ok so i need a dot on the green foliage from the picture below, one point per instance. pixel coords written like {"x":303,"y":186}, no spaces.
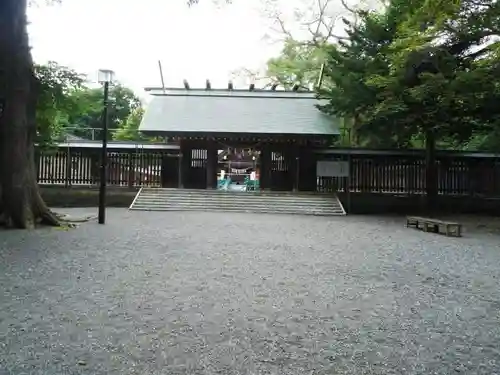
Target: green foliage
{"x":66,"y":105}
{"x":129,"y":130}
{"x":298,"y":64}
{"x":88,"y":120}
{"x":55,"y":102}
{"x":403,"y":75}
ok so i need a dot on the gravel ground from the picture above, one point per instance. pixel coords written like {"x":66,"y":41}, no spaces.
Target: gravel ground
{"x":210,"y":293}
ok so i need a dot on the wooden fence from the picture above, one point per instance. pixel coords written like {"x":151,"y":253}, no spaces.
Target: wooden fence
{"x":457,"y":174}
{"x":394,"y":172}
{"x":81,"y":168}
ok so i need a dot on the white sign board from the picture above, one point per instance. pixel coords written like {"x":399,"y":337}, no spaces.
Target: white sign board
{"x":332,"y":169}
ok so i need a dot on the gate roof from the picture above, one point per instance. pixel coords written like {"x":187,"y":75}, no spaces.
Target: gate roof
{"x":202,"y":112}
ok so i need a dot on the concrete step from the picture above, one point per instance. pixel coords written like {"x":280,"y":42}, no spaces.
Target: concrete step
{"x":238,"y":196}
{"x":239,"y":202}
{"x":183,"y":192}
{"x":253,"y":210}
{"x":278,"y":210}
{"x":232,"y":205}
{"x":215,"y":200}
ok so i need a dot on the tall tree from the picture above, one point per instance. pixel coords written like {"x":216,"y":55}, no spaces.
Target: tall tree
{"x":88,"y":121}
{"x":350,"y":63}
{"x":55,"y":102}
{"x":304,"y":28}
{"x":20,"y":204}
{"x":298,"y":64}
{"x":404,"y":75}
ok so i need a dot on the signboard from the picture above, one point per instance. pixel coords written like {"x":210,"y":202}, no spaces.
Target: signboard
{"x":239,"y":171}
{"x":332,"y":169}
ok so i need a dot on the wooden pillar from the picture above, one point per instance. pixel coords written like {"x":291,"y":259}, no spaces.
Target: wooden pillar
{"x":180,"y":180}
{"x":69,"y":168}
{"x":289,"y":178}
{"x":307,"y":170}
{"x":265,"y":167}
{"x":186,"y":168}
{"x":131,"y":170}
{"x":211,"y":165}
{"x":185,"y":164}
{"x":349,"y":185}
{"x":293,"y":156}
{"x":296,"y":186}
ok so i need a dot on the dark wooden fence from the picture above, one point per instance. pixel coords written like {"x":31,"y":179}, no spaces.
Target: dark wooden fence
{"x":393,"y":172}
{"x":403,"y":173}
{"x":80,"y":167}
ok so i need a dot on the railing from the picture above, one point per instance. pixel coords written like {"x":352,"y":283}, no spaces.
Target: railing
{"x":81,"y":167}
{"x":393,"y":172}
{"x":456,"y":176}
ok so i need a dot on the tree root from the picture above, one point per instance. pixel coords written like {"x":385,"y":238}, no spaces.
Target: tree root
{"x":47,"y":217}
{"x":55,"y":219}
{"x":51,"y":219}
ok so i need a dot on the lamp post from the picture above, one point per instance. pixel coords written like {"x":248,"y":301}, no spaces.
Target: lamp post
{"x":105,"y":78}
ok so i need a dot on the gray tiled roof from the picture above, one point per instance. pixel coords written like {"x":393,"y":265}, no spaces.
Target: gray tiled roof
{"x":236,"y":114}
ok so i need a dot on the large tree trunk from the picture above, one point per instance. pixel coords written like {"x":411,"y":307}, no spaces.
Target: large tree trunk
{"x":20,"y":201}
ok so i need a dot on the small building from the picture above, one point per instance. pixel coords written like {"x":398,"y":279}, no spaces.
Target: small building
{"x":284,"y":128}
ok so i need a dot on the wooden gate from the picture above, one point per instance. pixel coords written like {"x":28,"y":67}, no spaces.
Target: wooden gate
{"x":197,"y":176}
{"x":307,"y":171}
{"x":170,"y":171}
{"x":281,"y":178}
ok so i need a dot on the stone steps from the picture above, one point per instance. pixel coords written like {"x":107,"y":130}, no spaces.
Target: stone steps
{"x":149,"y":199}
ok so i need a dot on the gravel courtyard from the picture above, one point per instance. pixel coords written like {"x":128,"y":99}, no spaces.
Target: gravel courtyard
{"x":214,"y":293}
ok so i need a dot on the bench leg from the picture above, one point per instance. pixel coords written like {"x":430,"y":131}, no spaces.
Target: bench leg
{"x":411,"y":223}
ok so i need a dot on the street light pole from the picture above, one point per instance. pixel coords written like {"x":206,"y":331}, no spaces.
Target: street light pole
{"x":105,"y":77}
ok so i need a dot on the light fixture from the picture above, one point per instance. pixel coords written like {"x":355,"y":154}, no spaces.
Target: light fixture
{"x":105,"y":76}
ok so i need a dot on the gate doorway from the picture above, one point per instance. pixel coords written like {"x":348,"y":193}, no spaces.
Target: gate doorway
{"x":281,"y":172}
{"x":238,"y":169}
{"x":197,"y":176}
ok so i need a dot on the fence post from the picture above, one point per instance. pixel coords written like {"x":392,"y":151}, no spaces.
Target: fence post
{"x":95,"y":168}
{"x":131,"y":170}
{"x":69,"y":168}
{"x":349,"y":182}
{"x":38,"y":157}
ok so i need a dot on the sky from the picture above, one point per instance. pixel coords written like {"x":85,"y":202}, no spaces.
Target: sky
{"x":130,"y":36}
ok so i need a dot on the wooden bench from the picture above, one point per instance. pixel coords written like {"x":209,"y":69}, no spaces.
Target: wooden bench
{"x":434,"y":225}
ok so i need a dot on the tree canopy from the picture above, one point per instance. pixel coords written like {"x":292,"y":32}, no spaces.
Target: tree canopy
{"x":404,"y":76}
{"x":55,"y":102}
{"x":304,"y":31}
{"x":66,"y":105}
{"x":87,"y":121}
